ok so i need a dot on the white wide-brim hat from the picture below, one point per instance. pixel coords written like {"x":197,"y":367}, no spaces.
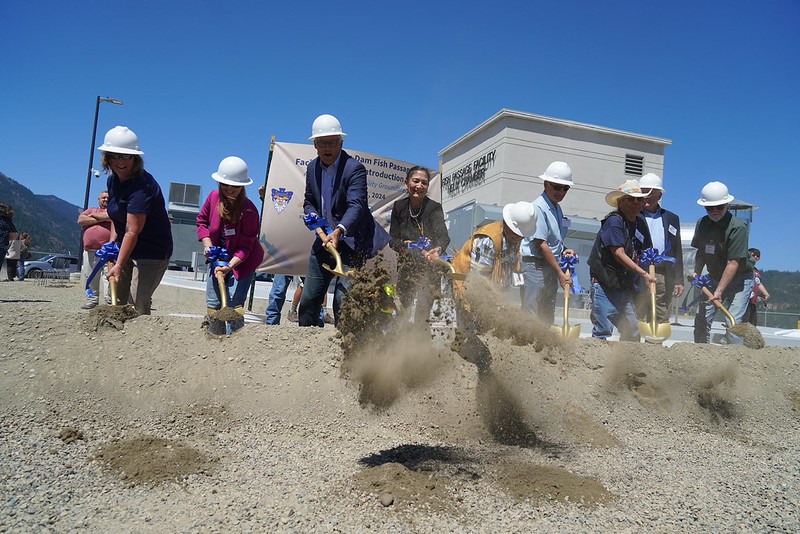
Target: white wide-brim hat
{"x":520,"y":217}
{"x":628,"y":188}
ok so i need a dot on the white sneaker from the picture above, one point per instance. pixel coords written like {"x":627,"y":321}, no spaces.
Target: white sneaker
{"x":89,"y":305}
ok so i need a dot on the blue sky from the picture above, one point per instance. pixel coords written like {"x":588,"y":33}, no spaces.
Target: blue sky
{"x":202,"y":80}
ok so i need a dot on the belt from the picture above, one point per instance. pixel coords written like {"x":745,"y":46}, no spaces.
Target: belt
{"x":532,"y":259}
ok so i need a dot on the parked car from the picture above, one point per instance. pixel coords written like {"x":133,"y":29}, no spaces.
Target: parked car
{"x":50,"y":263}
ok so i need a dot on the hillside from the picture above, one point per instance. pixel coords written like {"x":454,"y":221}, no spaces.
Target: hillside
{"x":50,"y":220}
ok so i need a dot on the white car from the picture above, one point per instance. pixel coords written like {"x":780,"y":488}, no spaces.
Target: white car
{"x":50,"y":263}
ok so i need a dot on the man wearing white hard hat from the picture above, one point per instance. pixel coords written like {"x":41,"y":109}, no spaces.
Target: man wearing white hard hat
{"x":665,"y":231}
{"x":721,"y":241}
{"x":614,"y":264}
{"x":542,"y":250}
{"x":336,"y":189}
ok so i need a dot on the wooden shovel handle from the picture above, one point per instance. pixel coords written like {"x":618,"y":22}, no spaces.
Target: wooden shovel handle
{"x":719,"y":305}
{"x":223,"y":288}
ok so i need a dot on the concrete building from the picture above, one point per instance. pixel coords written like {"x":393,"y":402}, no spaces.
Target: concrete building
{"x":499,"y":161}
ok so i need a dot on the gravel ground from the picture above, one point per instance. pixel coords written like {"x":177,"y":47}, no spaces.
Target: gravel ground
{"x":161,"y":428}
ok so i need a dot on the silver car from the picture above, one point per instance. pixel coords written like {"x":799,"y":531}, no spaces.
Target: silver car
{"x":50,"y":264}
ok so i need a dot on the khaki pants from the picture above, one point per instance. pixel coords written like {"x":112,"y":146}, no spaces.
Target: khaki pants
{"x":138,"y":281}
{"x":663,"y":301}
{"x":89,"y":263}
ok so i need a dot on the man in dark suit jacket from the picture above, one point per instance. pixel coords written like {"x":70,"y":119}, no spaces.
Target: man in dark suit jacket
{"x":665,"y":230}
{"x":336,"y":189}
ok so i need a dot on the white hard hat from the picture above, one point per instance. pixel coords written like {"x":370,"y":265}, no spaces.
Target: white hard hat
{"x":715,"y":194}
{"x":520,"y":217}
{"x":651,"y":181}
{"x":120,"y":140}
{"x":558,"y":172}
{"x":326,"y":125}
{"x":232,"y":171}
{"x":628,"y":188}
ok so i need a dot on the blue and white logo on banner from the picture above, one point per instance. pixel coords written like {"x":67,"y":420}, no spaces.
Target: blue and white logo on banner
{"x":281,"y":198}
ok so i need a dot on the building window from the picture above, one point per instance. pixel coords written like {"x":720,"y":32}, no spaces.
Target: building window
{"x":634,"y":165}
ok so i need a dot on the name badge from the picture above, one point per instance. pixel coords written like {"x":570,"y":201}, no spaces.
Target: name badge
{"x":711,"y":249}
{"x":230,"y":231}
{"x":639,"y":236}
{"x":672,"y":230}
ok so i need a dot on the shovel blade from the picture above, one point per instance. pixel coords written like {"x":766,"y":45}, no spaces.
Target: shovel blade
{"x":662,"y":332}
{"x":570,"y":332}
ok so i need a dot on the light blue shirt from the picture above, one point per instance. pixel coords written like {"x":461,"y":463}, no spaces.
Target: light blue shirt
{"x":549,"y":220}
{"x":656,"y":226}
{"x":328,"y":178}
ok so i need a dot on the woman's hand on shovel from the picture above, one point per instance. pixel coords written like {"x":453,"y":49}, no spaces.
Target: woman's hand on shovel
{"x":114,"y":273}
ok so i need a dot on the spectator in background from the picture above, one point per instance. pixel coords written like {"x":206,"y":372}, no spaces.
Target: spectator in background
{"x":8,"y":232}
{"x":96,"y":228}
{"x":759,"y":294}
{"x":24,"y":254}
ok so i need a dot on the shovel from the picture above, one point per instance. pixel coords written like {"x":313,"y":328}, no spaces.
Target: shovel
{"x":738,"y":334}
{"x":338,"y":270}
{"x":567,"y":331}
{"x":452,"y":274}
{"x":654,"y":332}
{"x":225,"y":313}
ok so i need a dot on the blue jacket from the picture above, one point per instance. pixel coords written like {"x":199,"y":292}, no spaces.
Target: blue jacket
{"x":349,"y":205}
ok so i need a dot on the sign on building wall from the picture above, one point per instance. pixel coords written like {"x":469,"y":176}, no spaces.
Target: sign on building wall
{"x":468,"y":176}
{"x":286,"y":240}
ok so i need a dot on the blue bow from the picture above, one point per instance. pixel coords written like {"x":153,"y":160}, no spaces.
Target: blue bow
{"x":216,"y":253}
{"x":423,"y":243}
{"x":651,"y":256}
{"x":702,"y":281}
{"x":569,"y":262}
{"x":314,"y":221}
{"x":107,"y":252}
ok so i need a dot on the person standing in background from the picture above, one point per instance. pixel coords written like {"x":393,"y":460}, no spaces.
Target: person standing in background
{"x":96,"y":227}
{"x":759,"y":294}
{"x":24,"y":254}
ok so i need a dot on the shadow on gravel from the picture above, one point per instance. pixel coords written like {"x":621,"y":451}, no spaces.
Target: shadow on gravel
{"x":415,"y":456}
{"x":25,"y":301}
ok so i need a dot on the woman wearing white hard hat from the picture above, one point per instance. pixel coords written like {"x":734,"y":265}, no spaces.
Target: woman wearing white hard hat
{"x":229,"y":220}
{"x":614,"y":264}
{"x":493,"y":250}
{"x":722,"y":242}
{"x":141,"y":224}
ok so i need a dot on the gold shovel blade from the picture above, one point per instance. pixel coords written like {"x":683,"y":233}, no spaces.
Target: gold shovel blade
{"x":661,"y":333}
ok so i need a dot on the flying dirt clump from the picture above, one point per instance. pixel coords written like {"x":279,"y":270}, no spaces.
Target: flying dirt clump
{"x":494,"y":313}
{"x":383,"y":351}
{"x":751,"y":337}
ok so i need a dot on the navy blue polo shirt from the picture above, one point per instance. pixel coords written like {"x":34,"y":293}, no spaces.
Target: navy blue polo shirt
{"x":142,"y":196}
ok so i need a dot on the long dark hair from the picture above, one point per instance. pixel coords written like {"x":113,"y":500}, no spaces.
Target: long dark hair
{"x":230,"y":211}
{"x":6,"y":211}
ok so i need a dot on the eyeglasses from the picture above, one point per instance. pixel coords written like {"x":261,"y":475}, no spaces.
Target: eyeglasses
{"x":716,"y":208}
{"x":327,"y":144}
{"x":114,"y":155}
{"x":559,"y":188}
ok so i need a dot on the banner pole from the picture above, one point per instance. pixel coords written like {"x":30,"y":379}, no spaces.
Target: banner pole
{"x":261,"y":215}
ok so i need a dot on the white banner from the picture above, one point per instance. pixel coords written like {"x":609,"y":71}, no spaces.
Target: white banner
{"x":286,"y":240}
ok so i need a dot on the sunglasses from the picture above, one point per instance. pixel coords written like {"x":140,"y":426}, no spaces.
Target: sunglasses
{"x":327,"y":144}
{"x":114,"y":155}
{"x":559,"y":188}
{"x":715,"y":208}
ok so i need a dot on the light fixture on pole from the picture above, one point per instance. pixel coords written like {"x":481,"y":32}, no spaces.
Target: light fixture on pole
{"x":91,"y":163}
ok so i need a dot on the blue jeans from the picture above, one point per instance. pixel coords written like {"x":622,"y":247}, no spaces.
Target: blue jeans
{"x":316,"y":285}
{"x":541,"y":286}
{"x":735,"y":298}
{"x":277,"y":297}
{"x":614,"y":307}
{"x":237,"y":291}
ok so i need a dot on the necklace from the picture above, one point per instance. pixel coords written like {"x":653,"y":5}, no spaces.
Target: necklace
{"x":414,"y":217}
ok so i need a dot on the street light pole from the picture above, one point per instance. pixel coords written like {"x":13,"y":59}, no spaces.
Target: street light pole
{"x":91,"y":163}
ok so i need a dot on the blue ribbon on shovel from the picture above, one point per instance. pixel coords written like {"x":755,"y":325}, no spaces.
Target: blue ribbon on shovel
{"x":107,"y":252}
{"x":314,"y":221}
{"x":699,"y":282}
{"x":569,"y":262}
{"x":421,"y":244}
{"x":218,"y":257}
{"x":651,"y":256}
